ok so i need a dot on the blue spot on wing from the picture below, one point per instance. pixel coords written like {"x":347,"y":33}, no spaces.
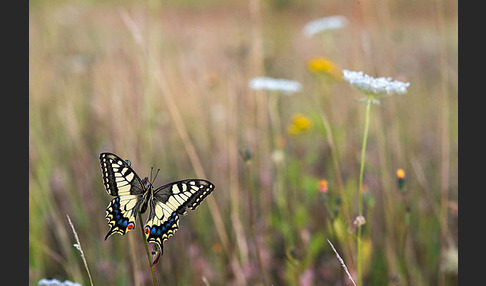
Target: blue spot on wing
{"x":157,"y":231}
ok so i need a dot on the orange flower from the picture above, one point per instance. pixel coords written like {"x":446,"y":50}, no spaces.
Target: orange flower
{"x":365,"y":188}
{"x":323,"y":186}
{"x":401,"y":180}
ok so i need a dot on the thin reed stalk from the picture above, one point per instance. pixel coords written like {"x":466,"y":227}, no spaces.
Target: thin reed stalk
{"x":335,"y":161}
{"x":251,"y":214}
{"x":147,"y":250}
{"x":134,"y":259}
{"x":444,"y":133}
{"x":342,"y":263}
{"x":180,"y":127}
{"x":360,"y":188}
{"x":241,"y":241}
{"x":348,"y":253}
{"x":334,"y":152}
{"x":347,"y":240}
{"x":78,"y":246}
{"x":193,"y":156}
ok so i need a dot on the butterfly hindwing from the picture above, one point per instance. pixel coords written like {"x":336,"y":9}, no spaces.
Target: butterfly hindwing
{"x":169,"y":202}
{"x":162,"y":224}
{"x":119,"y":219}
{"x":122,"y":182}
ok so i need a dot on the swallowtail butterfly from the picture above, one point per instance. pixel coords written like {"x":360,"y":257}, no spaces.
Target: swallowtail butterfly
{"x":133,"y":195}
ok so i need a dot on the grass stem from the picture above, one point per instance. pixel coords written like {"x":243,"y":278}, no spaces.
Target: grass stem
{"x":342,"y":262}
{"x":252,"y":226}
{"x":78,"y":246}
{"x":335,"y":161}
{"x":360,"y":188}
{"x":147,"y":250}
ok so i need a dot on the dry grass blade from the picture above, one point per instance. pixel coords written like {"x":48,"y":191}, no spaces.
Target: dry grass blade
{"x":342,"y":263}
{"x":181,"y":130}
{"x":78,"y":246}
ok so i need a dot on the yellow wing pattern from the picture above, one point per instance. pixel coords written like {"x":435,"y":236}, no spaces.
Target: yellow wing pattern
{"x":123,"y":183}
{"x":169,"y":202}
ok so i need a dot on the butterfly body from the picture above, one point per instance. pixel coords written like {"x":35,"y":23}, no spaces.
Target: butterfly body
{"x":133,"y":195}
{"x":148,"y":195}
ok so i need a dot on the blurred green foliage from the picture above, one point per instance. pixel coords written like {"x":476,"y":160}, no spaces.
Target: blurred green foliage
{"x":133,"y":77}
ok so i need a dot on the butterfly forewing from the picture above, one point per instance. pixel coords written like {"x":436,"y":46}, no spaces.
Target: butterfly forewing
{"x":169,"y":202}
{"x":122,"y":182}
{"x":118,"y":177}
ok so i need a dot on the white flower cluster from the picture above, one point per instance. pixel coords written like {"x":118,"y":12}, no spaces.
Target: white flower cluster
{"x":268,"y":83}
{"x":324,"y":24}
{"x":380,"y":85}
{"x":55,"y":282}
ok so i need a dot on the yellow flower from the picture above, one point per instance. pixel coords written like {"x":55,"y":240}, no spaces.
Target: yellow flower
{"x":321,"y":65}
{"x":400,"y":174}
{"x":298,"y":124}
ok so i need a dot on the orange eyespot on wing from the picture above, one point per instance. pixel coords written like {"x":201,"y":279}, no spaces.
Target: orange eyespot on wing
{"x":131,"y":226}
{"x":119,"y":218}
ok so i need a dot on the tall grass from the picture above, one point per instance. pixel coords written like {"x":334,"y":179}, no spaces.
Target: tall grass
{"x":167,"y":86}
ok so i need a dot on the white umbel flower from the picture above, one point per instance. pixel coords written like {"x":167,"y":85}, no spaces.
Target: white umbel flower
{"x":276,"y":84}
{"x":324,"y":24}
{"x":55,"y":282}
{"x":379,"y":86}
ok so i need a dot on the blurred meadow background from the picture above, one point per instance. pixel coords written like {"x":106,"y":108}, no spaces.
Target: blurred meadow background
{"x":165,"y":84}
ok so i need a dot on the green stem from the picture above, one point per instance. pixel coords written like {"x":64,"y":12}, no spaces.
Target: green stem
{"x":360,"y":194}
{"x":147,"y":250}
{"x":335,"y":159}
{"x":252,"y":225}
{"x":275,"y":123}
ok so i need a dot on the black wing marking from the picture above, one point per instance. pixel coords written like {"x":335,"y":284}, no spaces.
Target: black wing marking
{"x":121,"y":214}
{"x":118,"y":177}
{"x":187,"y":193}
{"x":161,"y":224}
{"x":121,"y":181}
{"x":169,"y":202}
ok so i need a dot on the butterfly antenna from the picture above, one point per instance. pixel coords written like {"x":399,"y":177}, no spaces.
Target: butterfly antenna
{"x":156,"y":173}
